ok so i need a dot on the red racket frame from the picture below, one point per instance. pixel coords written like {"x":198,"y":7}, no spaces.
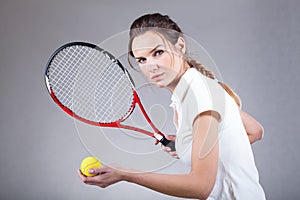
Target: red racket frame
{"x":136,"y":100}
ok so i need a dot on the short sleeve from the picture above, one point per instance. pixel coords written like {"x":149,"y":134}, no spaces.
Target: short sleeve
{"x":195,"y":94}
{"x":203,"y":94}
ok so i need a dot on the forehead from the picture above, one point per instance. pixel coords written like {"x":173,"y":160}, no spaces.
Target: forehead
{"x":146,"y":42}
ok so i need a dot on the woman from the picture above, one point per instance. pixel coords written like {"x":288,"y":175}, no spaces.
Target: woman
{"x":211,"y":128}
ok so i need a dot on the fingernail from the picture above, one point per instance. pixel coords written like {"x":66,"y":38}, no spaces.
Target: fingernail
{"x":91,"y":171}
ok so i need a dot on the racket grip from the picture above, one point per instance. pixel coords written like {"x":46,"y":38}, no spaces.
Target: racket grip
{"x":164,"y":141}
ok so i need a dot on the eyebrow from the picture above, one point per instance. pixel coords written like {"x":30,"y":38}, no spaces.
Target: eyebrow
{"x":150,"y":52}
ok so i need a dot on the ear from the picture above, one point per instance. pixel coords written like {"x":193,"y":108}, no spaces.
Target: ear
{"x":180,"y":45}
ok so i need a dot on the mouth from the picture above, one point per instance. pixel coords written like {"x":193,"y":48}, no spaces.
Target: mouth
{"x":157,"y":77}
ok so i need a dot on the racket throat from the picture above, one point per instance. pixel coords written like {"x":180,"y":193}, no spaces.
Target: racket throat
{"x":158,"y":137}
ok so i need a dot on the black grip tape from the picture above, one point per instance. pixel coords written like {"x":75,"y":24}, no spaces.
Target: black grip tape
{"x":164,"y":141}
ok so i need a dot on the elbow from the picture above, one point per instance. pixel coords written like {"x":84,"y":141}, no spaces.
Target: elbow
{"x":203,"y":195}
{"x":202,"y":192}
{"x":260,"y":132}
{"x":206,"y":193}
{"x":253,"y":128}
{"x":255,"y":134}
{"x":198,"y":195}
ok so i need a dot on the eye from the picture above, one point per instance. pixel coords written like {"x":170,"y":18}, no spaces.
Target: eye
{"x":158,"y":52}
{"x":141,"y":60}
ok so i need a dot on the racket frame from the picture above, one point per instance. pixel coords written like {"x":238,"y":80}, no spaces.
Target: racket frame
{"x":159,"y":136}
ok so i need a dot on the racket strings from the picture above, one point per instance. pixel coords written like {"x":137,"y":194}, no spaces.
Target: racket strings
{"x":62,"y":74}
{"x":120,"y":96}
{"x":99,"y":99}
{"x":90,"y":84}
{"x":83,"y":103}
{"x":109,"y":103}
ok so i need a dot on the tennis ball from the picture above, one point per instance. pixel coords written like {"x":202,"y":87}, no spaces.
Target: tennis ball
{"x":88,"y":163}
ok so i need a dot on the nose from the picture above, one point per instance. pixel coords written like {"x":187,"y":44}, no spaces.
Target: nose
{"x":152,"y":66}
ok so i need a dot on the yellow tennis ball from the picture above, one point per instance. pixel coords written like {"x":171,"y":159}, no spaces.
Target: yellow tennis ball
{"x":88,"y":163}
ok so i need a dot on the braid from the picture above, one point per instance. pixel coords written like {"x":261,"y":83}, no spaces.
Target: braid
{"x":232,"y":94}
{"x":201,"y":68}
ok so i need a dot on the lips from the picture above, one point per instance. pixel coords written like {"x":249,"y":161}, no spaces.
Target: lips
{"x":157,"y":76}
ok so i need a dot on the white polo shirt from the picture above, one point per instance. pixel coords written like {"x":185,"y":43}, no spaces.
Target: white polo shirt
{"x":237,"y":176}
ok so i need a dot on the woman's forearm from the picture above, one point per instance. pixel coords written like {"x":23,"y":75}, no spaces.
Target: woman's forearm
{"x":201,"y":179}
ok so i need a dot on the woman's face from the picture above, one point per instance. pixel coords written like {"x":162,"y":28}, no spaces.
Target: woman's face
{"x":161,"y":62}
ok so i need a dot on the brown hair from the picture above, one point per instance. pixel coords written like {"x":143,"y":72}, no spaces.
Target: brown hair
{"x":166,"y":27}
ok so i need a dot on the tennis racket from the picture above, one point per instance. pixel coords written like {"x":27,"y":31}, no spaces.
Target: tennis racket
{"x":91,"y":85}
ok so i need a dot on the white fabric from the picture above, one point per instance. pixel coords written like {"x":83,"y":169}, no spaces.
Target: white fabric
{"x":237,"y":176}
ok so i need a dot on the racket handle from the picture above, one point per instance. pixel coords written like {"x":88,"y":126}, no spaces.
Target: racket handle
{"x":164,"y":141}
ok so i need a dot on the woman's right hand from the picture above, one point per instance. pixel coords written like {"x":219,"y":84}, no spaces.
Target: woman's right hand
{"x":168,"y":149}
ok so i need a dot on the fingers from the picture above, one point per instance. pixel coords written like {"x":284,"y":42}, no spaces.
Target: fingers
{"x":93,"y":180}
{"x":171,"y":137}
{"x":94,"y":171}
{"x":166,"y":149}
{"x":84,"y":178}
{"x":104,"y":176}
{"x":81,"y":175}
{"x":100,"y":170}
{"x":169,"y":151}
{"x":174,"y":154}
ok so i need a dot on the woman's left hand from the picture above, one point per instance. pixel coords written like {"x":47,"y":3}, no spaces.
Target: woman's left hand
{"x":104,"y":176}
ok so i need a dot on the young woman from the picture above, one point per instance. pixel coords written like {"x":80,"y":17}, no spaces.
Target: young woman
{"x":213,"y":133}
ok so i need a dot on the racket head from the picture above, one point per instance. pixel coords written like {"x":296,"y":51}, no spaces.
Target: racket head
{"x":90,"y":84}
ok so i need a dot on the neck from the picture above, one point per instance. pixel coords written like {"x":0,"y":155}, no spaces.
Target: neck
{"x":171,"y":87}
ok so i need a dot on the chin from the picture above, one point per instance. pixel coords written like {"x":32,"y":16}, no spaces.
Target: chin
{"x":159,"y":85}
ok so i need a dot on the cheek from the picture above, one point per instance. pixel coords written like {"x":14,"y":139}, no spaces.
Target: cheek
{"x":144,"y":71}
{"x":177,"y":62}
{"x":165,"y":61}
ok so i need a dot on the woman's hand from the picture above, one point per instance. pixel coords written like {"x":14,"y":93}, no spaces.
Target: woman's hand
{"x":168,"y":149}
{"x":104,"y":176}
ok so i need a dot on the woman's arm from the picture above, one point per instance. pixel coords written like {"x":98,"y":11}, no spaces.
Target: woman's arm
{"x":253,"y":128}
{"x":196,"y":184}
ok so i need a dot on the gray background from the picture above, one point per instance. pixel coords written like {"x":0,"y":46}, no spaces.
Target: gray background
{"x":255,"y":44}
